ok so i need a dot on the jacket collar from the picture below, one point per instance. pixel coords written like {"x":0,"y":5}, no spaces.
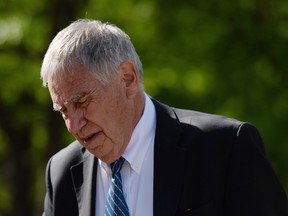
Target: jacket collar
{"x":84,"y":181}
{"x":169,"y":159}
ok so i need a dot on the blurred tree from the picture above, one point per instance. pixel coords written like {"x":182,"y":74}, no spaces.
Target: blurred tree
{"x":223,"y":57}
{"x":28,"y":123}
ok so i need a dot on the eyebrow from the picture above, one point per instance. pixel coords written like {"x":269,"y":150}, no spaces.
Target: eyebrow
{"x":76,"y":98}
{"x":58,"y":107}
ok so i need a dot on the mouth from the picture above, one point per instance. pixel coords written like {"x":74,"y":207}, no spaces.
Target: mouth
{"x":89,"y":138}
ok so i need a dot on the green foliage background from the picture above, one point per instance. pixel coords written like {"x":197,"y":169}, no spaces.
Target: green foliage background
{"x":223,"y":57}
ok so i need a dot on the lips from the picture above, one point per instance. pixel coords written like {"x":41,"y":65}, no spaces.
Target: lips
{"x":89,"y":138}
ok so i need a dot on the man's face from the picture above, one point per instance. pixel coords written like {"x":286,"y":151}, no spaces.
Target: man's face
{"x":99,"y":117}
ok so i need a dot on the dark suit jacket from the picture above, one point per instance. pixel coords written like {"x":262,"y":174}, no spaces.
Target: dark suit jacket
{"x":204,"y":165}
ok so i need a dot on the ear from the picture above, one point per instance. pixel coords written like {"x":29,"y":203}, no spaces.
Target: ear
{"x":129,"y":78}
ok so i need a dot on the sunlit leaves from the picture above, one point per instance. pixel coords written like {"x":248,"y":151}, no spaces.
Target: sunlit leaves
{"x":11,"y":30}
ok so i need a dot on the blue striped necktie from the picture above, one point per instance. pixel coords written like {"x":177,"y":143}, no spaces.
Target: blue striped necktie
{"x":115,"y":201}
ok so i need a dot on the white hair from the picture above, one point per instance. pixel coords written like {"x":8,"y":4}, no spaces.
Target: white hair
{"x":98,"y":47}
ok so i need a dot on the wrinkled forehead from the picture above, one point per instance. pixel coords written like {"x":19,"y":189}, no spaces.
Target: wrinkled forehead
{"x":64,"y":86}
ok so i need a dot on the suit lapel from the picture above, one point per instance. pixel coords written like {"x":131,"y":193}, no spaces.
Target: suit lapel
{"x":84,"y":180}
{"x":168,"y":162}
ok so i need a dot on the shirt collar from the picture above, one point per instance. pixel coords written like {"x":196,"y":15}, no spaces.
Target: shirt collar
{"x":142,"y":136}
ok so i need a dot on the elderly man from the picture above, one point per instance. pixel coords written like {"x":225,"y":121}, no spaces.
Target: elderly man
{"x":135,"y":156}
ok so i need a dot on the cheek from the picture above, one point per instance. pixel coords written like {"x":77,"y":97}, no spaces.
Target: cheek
{"x":101,"y":115}
{"x":110,"y":116}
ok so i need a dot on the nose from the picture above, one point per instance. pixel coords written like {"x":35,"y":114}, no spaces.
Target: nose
{"x":75,"y":121}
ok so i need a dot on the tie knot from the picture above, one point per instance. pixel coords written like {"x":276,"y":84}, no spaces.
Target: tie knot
{"x":117,"y":165}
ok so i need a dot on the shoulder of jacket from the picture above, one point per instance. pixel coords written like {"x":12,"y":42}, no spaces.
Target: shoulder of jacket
{"x":206,"y":120}
{"x":200,"y":120}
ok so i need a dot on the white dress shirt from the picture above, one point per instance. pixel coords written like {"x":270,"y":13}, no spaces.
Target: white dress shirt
{"x":137,"y":171}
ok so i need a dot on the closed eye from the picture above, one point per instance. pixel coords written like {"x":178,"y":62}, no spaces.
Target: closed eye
{"x":81,"y":103}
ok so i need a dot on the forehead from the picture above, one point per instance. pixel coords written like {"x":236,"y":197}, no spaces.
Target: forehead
{"x":66,"y":87}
